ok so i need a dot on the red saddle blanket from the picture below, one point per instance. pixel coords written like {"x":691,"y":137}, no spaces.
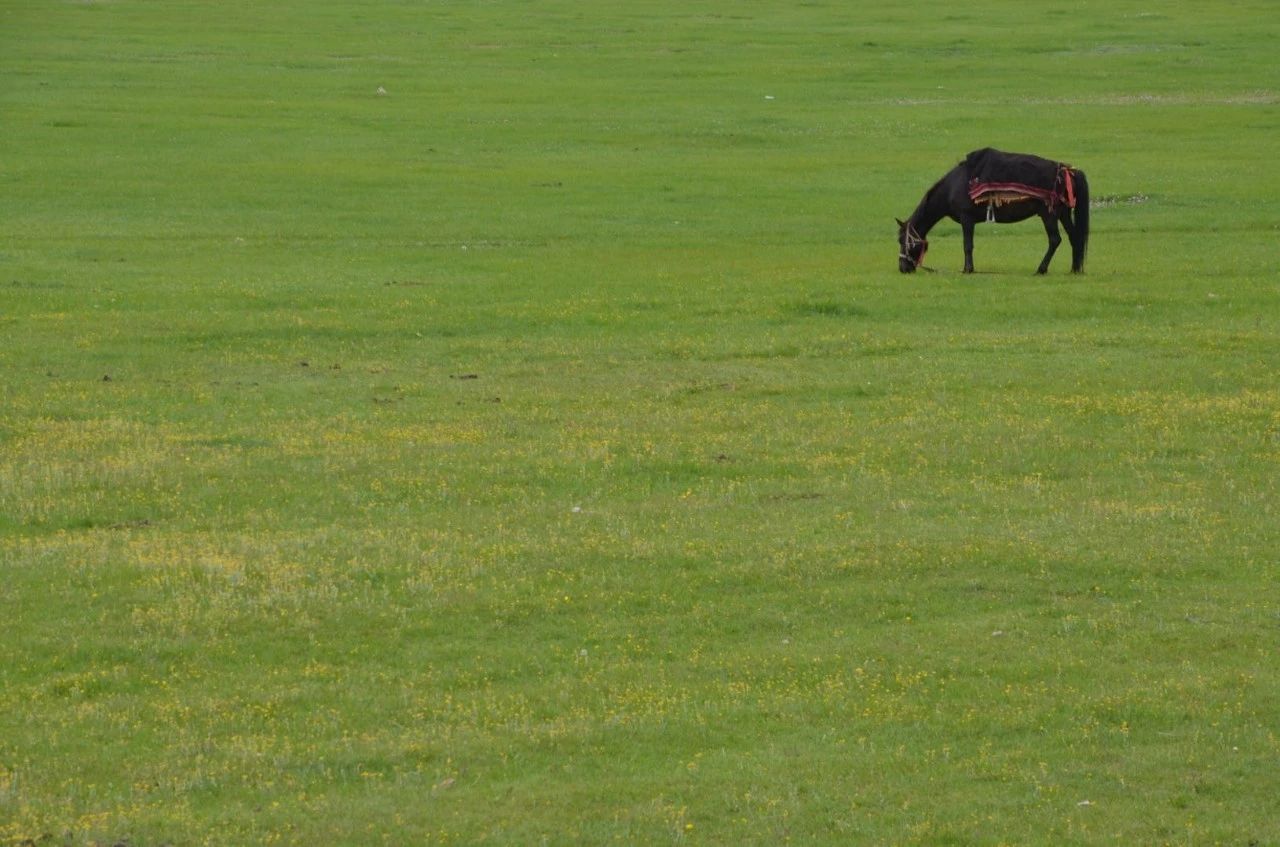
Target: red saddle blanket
{"x":996,"y":178}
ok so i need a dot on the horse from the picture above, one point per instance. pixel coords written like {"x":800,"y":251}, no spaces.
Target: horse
{"x":1002,"y":188}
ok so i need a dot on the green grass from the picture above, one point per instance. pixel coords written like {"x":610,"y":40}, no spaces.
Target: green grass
{"x":548,"y":450}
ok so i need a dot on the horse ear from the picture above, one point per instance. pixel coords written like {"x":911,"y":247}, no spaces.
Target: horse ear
{"x":901,"y":225}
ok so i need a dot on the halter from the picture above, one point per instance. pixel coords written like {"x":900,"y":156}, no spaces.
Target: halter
{"x":911,"y":239}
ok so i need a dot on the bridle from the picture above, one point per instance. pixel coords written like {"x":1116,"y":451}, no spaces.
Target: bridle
{"x":910,"y":239}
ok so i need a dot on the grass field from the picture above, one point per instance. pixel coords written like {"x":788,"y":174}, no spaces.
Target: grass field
{"x":484,"y":422}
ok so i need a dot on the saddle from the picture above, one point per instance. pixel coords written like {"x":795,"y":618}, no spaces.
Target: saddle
{"x":997,"y":178}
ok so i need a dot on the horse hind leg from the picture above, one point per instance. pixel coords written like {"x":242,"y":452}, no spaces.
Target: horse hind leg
{"x":1051,"y":230}
{"x":1074,"y":237}
{"x":966,"y":230}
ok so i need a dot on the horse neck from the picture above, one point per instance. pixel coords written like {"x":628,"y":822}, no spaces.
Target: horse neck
{"x":928,"y":213}
{"x":934,"y":206}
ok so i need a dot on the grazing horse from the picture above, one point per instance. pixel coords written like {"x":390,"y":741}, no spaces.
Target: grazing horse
{"x":1001,"y":188}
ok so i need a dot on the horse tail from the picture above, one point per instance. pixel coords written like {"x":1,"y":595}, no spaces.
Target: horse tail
{"x":1080,"y":244}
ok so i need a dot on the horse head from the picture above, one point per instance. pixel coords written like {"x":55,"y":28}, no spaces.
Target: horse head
{"x":911,"y":248}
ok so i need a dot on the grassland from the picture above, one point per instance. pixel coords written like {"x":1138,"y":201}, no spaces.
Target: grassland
{"x":546,"y":449}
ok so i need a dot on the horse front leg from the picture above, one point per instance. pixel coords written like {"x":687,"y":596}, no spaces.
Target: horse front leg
{"x":1051,"y":230}
{"x":966,"y":227}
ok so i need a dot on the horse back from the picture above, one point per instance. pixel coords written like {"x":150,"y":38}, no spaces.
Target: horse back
{"x":990,"y":165}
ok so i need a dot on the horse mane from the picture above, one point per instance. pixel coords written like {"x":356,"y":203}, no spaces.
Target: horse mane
{"x":933,"y":190}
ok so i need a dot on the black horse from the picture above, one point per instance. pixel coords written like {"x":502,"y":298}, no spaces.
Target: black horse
{"x":1002,"y":188}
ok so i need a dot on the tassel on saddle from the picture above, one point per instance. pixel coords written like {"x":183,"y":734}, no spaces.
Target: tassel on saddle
{"x":994,"y":199}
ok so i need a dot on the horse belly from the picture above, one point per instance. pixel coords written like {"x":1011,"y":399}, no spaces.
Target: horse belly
{"x":1013,"y":211}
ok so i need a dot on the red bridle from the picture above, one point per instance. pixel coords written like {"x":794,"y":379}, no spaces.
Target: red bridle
{"x":910,"y":239}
